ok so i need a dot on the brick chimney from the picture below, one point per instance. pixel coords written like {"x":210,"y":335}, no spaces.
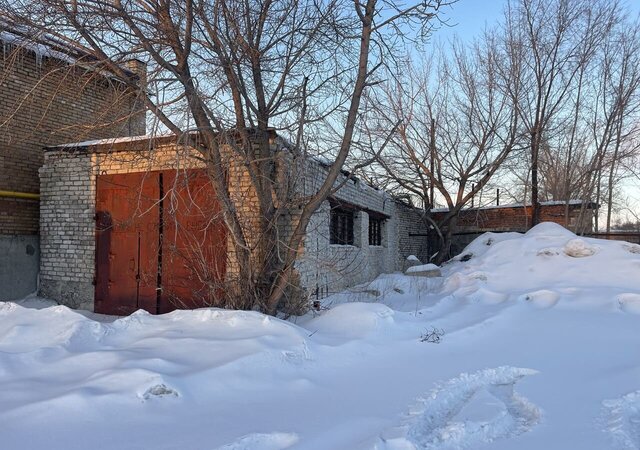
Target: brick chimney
{"x":139,"y":68}
{"x":137,"y":124}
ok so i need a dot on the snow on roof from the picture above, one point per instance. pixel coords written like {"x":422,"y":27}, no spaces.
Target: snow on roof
{"x":48,"y":45}
{"x":110,"y":141}
{"x":40,"y":49}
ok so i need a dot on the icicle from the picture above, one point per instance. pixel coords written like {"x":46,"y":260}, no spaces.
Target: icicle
{"x":38,"y":54}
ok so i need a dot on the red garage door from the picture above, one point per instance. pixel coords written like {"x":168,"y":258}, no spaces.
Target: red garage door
{"x":160,"y":242}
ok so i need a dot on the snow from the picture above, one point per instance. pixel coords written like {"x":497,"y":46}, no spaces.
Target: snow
{"x":42,"y":46}
{"x":110,"y":141}
{"x":540,"y":350}
{"x":422,"y":268}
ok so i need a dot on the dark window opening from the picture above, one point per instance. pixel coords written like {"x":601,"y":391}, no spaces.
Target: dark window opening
{"x":375,"y":231}
{"x":341,"y":226}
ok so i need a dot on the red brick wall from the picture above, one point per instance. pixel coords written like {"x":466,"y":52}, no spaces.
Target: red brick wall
{"x":515,"y":218}
{"x":44,"y":101}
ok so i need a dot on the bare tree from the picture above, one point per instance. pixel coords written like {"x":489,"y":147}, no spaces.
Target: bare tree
{"x":554,"y":42}
{"x":610,"y":116}
{"x":456,"y":128}
{"x":232,"y":70}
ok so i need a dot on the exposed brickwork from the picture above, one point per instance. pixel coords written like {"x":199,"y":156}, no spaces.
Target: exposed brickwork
{"x":327,"y":268}
{"x":473,"y":222}
{"x":67,"y":229}
{"x":517,"y":217}
{"x":412,"y":239}
{"x":45,"y":101}
{"x":17,"y":216}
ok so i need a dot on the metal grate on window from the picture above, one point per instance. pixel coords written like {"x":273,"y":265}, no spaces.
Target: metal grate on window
{"x":375,"y":231}
{"x":341,"y":226}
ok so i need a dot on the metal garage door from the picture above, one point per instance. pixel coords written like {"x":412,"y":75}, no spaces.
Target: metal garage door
{"x":160,"y":242}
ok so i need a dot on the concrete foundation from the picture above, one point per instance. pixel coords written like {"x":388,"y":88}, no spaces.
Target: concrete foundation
{"x":19,"y":265}
{"x":74,"y":294}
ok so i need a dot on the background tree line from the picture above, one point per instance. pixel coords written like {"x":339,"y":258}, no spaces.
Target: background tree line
{"x":544,"y":104}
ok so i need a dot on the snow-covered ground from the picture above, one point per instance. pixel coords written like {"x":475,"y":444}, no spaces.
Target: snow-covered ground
{"x":541,"y":350}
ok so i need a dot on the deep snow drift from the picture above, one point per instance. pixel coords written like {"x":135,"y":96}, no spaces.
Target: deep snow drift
{"x":541,"y":350}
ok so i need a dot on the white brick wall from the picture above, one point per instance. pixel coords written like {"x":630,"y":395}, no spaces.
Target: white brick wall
{"x":327,"y":268}
{"x":67,"y":208}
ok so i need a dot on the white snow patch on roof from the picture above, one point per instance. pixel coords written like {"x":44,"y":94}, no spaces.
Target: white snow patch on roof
{"x":111,"y":141}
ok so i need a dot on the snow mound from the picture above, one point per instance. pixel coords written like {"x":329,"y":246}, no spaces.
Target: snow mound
{"x":387,"y":284}
{"x":488,"y":297}
{"x":547,"y":259}
{"x":468,"y":411}
{"x":25,"y":329}
{"x":352,"y":321}
{"x":136,"y":357}
{"x":549,"y":230}
{"x":422,"y":268}
{"x":622,"y":421}
{"x":483,"y":243}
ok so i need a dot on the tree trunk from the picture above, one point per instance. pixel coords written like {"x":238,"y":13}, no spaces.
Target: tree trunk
{"x":449,"y":226}
{"x":612,"y":171}
{"x":535,"y":205}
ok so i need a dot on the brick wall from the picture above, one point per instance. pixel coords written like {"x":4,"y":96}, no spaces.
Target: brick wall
{"x":412,"y":230}
{"x":328,"y":268}
{"x":68,"y":200}
{"x":18,"y":216}
{"x":518,"y":217}
{"x":45,"y":101}
{"x":67,"y":242}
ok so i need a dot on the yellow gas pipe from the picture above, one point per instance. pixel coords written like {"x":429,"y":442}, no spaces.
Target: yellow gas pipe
{"x":24,"y":195}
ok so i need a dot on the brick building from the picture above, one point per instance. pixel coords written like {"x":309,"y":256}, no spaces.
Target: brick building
{"x":157,"y":216}
{"x":50,"y":94}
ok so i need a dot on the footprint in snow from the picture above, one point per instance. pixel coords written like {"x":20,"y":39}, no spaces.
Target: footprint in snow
{"x":159,"y":391}
{"x":622,"y":421}
{"x":262,"y":441}
{"x":629,"y":303}
{"x":467,"y":411}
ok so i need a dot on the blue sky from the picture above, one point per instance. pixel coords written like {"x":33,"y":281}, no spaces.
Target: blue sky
{"x":469,"y":17}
